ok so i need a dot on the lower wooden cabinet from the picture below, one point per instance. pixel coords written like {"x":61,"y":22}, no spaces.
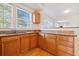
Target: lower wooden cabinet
{"x":10,"y":46}
{"x":48,"y":43}
{"x":24,"y":43}
{"x":33,"y":40}
{"x":42,"y":42}
{"x":51,"y":43}
{"x":58,"y":45}
{"x":65,"y":50}
{"x":17,"y":44}
{"x":65,"y":45}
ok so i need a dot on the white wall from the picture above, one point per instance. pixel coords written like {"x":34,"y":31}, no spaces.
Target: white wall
{"x":68,"y":21}
{"x":46,"y":22}
{"x":73,"y":21}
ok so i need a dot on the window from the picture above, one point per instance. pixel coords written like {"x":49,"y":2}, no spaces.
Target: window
{"x":22,"y":19}
{"x":5,"y":16}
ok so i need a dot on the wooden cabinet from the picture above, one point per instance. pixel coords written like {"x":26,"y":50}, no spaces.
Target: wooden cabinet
{"x":24,"y":43}
{"x":42,"y":42}
{"x":17,"y":45}
{"x":36,"y":17}
{"x":48,"y":43}
{"x":28,"y":41}
{"x":51,"y":43}
{"x":56,"y":44}
{"x":60,"y":45}
{"x":65,"y":45}
{"x":10,"y":46}
{"x":65,"y":49}
{"x":33,"y":40}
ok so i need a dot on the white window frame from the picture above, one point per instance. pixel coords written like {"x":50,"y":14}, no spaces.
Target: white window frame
{"x":10,"y":16}
{"x":28,"y":27}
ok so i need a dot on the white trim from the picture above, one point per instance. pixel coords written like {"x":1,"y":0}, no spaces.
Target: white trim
{"x":29,"y":17}
{"x":4,"y":4}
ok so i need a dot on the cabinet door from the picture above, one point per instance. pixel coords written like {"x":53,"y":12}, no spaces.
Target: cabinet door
{"x":65,"y":45}
{"x":36,"y":17}
{"x":42,"y":42}
{"x":33,"y":40}
{"x":10,"y":46}
{"x":24,"y":41}
{"x":65,"y":50}
{"x":51,"y":43}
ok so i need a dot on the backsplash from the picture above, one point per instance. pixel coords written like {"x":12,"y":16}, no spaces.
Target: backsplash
{"x":8,"y":32}
{"x":17,"y":31}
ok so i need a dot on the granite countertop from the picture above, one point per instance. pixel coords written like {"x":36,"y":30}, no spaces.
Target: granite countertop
{"x":42,"y":32}
{"x":66,"y":33}
{"x":14,"y":34}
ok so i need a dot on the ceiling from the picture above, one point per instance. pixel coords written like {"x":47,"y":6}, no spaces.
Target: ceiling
{"x":56,"y":10}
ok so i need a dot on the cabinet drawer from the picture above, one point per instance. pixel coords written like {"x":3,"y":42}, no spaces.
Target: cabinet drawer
{"x":50,"y":36}
{"x":4,"y":39}
{"x":66,"y":38}
{"x":65,"y":49}
{"x":51,"y":40}
{"x":60,"y":53}
{"x":69,"y":44}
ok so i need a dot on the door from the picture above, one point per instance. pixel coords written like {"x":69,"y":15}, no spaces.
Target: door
{"x":24,"y":41}
{"x":65,"y":45}
{"x":50,"y":40}
{"x":10,"y":46}
{"x":33,"y":40}
{"x":42,"y":42}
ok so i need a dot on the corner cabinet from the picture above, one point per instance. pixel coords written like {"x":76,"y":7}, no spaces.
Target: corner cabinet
{"x":48,"y":43}
{"x":57,"y":44}
{"x":10,"y":46}
{"x":36,"y":17}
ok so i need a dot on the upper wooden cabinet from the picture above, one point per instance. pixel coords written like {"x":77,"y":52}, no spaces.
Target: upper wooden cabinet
{"x":36,"y":17}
